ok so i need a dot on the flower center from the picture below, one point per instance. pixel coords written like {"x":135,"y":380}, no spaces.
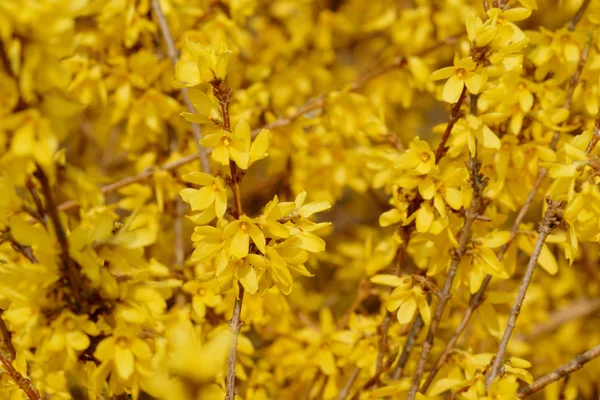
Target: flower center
{"x":424,"y":156}
{"x":122,"y":342}
{"x":225,"y":140}
{"x":461,"y":72}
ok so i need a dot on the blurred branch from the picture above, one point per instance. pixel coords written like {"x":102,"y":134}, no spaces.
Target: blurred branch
{"x":573,"y":365}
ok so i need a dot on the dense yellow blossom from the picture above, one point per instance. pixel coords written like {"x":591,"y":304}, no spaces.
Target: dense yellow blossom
{"x":299,"y":199}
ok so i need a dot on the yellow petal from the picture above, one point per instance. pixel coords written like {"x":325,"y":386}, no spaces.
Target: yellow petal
{"x":220,"y":155}
{"x":474,"y":82}
{"x":242,"y":131}
{"x":407,"y":311}
{"x":454,"y":198}
{"x":240,"y":243}
{"x":387,"y":279}
{"x":187,"y":73}
{"x":490,"y":140}
{"x":452,"y":89}
{"x":442,"y":73}
{"x":427,"y":188}
{"x":248,"y":278}
{"x":547,"y":261}
{"x":424,"y":219}
{"x":314,"y":207}
{"x":124,"y":362}
{"x":259,"y":147}
{"x":199,"y":178}
{"x":424,"y":309}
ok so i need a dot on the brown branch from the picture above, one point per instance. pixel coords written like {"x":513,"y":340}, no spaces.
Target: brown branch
{"x":551,"y":220}
{"x":578,"y":15}
{"x":477,"y":298}
{"x":573,"y":365}
{"x":346,"y":389}
{"x":69,"y":268}
{"x":408,"y":346}
{"x":595,"y":135}
{"x":478,"y":182}
{"x":454,"y":117}
{"x":172,"y":53}
{"x":577,"y":309}
{"x":142,"y":176}
{"x":23,"y":382}
{"x":7,"y":338}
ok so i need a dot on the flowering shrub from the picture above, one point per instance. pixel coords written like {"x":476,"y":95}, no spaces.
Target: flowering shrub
{"x":318,"y":199}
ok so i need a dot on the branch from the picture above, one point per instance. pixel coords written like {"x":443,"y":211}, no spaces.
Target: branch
{"x":408,"y":346}
{"x":551,"y":220}
{"x":578,"y":15}
{"x":23,"y":383}
{"x":172,"y":53}
{"x":577,"y":309}
{"x":595,"y":136}
{"x":69,"y":268}
{"x":7,"y":338}
{"x":478,"y":183}
{"x":346,"y":389}
{"x":573,"y":365}
{"x":454,"y":117}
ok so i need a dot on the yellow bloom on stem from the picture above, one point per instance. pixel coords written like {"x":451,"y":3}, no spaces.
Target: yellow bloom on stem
{"x":200,"y":64}
{"x":461,"y":74}
{"x":239,"y":233}
{"x":405,"y":298}
{"x":236,"y":146}
{"x":211,"y":198}
{"x":124,"y":350}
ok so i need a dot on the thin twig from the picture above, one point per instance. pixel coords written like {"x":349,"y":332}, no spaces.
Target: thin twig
{"x":578,"y":15}
{"x":595,"y":135}
{"x":69,"y":268}
{"x":551,"y":220}
{"x":346,"y":389}
{"x":577,"y":309}
{"x":408,"y":346}
{"x":172,"y":53}
{"x":142,"y":176}
{"x":573,"y":365}
{"x":361,"y":294}
{"x":454,"y":117}
{"x":23,"y":382}
{"x":478,"y":182}
{"x":7,"y":338}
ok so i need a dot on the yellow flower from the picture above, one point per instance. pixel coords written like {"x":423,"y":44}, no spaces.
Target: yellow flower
{"x":236,"y":146}
{"x":461,"y":74}
{"x":405,"y":298}
{"x":202,"y":64}
{"x":239,"y":233}
{"x":123,"y":351}
{"x":204,"y":294}
{"x":211,"y":198}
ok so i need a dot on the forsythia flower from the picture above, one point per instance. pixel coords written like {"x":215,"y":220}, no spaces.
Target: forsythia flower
{"x":236,"y":147}
{"x":462,"y":74}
